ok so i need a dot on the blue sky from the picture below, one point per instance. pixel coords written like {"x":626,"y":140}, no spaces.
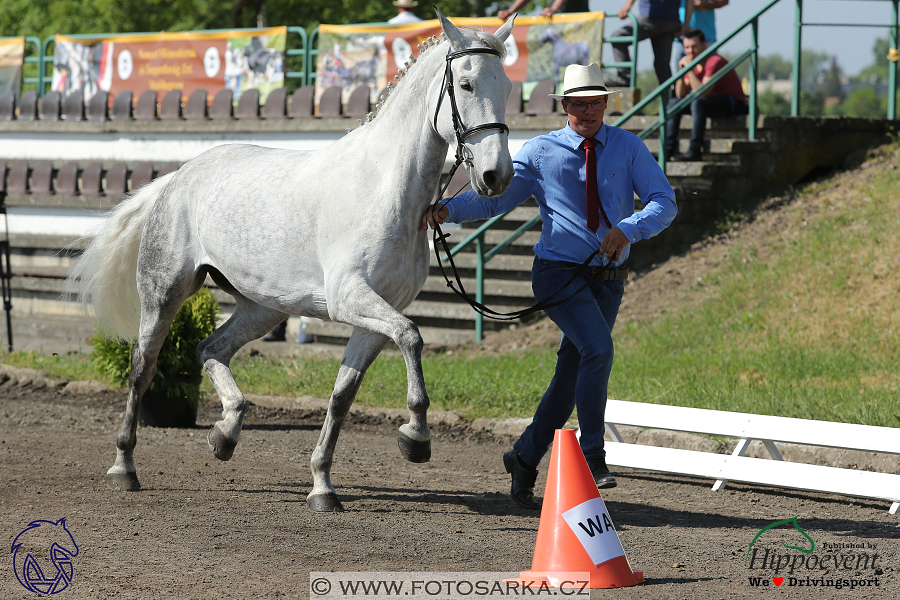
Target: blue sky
{"x":851,"y":45}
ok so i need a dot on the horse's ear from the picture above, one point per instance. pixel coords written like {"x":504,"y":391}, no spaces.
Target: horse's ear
{"x":457,"y":41}
{"x":506,"y":28}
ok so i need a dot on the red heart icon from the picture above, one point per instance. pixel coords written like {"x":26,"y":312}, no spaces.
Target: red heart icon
{"x":778,"y":580}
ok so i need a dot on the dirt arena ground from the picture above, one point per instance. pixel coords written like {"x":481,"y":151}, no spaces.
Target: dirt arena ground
{"x":206,"y":529}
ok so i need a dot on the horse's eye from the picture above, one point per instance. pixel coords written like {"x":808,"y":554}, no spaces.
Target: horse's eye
{"x":466,"y":85}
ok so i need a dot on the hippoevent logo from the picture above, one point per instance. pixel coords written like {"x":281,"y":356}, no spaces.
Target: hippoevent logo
{"x":797,"y":564}
{"x":43,"y":553}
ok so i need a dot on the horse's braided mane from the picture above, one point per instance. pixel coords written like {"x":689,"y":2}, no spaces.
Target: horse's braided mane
{"x":488,"y":39}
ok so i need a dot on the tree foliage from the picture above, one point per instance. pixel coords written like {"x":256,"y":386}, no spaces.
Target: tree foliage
{"x":43,"y":18}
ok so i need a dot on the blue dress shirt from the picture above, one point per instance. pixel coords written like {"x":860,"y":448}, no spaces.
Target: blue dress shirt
{"x":551,"y":168}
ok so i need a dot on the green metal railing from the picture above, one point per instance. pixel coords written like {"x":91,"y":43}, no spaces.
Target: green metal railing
{"x":894,"y":37}
{"x":628,"y":39}
{"x":482,"y":257}
{"x":37,"y":59}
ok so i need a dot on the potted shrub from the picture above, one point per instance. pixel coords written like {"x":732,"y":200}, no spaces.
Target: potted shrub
{"x":174,"y":392}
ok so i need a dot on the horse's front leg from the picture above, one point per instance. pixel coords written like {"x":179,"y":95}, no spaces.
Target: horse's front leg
{"x":366,"y":309}
{"x":363,"y":347}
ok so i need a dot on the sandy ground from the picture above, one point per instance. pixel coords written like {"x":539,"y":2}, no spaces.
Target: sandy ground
{"x":201,"y":528}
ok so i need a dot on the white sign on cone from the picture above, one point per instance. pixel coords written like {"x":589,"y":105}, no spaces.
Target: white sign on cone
{"x":594,"y":529}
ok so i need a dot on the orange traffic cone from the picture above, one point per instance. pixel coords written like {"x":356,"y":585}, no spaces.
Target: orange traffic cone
{"x":576,"y":533}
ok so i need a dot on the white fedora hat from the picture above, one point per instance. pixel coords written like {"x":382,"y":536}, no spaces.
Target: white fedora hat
{"x":581,"y":81}
{"x":405,"y":3}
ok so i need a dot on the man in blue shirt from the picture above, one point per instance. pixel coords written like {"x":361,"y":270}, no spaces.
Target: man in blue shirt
{"x":584,"y":177}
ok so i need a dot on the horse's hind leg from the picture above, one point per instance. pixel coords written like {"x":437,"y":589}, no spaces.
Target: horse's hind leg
{"x":157,"y":314}
{"x":362,"y":349}
{"x":249,"y":322}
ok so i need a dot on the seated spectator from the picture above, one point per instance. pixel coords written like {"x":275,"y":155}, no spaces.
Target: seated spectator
{"x":725,"y":99}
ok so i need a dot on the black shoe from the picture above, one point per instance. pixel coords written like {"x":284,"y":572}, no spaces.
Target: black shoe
{"x":617,"y":82}
{"x":602,"y":477}
{"x":522,"y":488}
{"x":687,"y":157}
{"x":274,"y":336}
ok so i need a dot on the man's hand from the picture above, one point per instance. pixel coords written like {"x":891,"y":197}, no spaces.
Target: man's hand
{"x":685,"y":61}
{"x":614,"y":243}
{"x":502,"y":14}
{"x":436,"y":212}
{"x":623,"y":12}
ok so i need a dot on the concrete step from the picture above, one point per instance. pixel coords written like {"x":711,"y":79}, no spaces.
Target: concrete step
{"x":339,"y":333}
{"x":520,"y":290}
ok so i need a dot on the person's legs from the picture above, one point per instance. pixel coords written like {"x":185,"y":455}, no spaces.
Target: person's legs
{"x":584,"y":360}
{"x":621,"y":52}
{"x":662,"y":34}
{"x":703,"y":107}
{"x":673,"y":124}
{"x":620,"y":49}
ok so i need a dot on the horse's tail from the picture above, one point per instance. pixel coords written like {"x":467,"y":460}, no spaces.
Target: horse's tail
{"x":105,"y":275}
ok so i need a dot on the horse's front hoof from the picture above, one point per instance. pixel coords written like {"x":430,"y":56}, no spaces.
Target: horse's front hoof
{"x":325,"y":503}
{"x":123,"y":482}
{"x":413,"y":451}
{"x":221,"y":446}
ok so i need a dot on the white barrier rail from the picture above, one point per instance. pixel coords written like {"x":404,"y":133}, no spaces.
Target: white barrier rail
{"x":748,"y":427}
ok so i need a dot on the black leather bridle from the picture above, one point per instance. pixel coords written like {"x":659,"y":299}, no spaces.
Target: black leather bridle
{"x":458,"y":126}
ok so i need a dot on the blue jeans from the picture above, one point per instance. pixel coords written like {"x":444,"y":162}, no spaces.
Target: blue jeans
{"x":700,"y":109}
{"x":584,"y":360}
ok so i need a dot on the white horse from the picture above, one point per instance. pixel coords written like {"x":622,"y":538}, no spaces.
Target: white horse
{"x":564,"y":53}
{"x":331,"y":234}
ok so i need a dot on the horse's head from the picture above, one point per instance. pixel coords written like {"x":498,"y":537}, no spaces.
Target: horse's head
{"x":548,"y":35}
{"x":480,"y":88}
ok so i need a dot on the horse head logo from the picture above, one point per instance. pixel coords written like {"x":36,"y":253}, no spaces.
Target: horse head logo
{"x":812,"y":544}
{"x":40,"y":542}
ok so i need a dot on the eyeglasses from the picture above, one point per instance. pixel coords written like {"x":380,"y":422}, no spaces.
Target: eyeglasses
{"x":583,"y":106}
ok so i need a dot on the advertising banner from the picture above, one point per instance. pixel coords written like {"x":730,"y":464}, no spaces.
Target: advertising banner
{"x":237,"y":60}
{"x":12,"y":56}
{"x":539,"y":48}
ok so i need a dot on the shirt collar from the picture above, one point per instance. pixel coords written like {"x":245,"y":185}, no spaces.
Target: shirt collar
{"x":576,"y":140}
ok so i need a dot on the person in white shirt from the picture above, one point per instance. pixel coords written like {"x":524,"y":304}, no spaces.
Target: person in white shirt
{"x":405,"y":12}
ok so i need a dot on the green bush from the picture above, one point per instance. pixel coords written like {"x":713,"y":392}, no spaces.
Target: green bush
{"x":177,"y":363}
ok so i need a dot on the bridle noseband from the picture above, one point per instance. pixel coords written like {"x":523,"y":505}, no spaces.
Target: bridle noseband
{"x":462,"y":153}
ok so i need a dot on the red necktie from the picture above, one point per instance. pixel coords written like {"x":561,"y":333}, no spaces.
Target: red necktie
{"x":594,"y":207}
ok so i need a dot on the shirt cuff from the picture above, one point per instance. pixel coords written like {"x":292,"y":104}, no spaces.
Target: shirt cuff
{"x":630,"y":230}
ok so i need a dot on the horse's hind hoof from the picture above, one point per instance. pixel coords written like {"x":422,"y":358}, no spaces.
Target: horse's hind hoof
{"x":123,"y":482}
{"x":325,"y":503}
{"x":221,"y":446}
{"x":413,"y":451}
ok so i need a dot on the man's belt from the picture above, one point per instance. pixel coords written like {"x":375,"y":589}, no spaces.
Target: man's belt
{"x":602,"y":273}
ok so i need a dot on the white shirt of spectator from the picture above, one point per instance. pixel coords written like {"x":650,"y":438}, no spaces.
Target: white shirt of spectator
{"x":404,"y":18}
